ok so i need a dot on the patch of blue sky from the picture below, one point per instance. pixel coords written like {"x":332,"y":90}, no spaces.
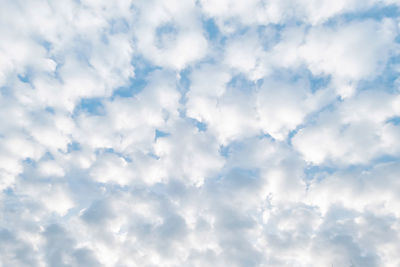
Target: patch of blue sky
{"x":385,"y":159}
{"x":201,"y":126}
{"x":25,"y":77}
{"x":92,"y":106}
{"x":293,"y":133}
{"x":225,"y":151}
{"x":266,"y":136}
{"x":152,"y":155}
{"x":356,"y":169}
{"x":317,"y":172}
{"x":394,"y":120}
{"x":136,"y":84}
{"x":100,"y":151}
{"x":240,"y":82}
{"x":216,"y":38}
{"x":318,"y":82}
{"x":73,"y":146}
{"x":29,"y":161}
{"x":211,"y":29}
{"x":376,"y":12}
{"x":160,"y":134}
{"x":50,"y":110}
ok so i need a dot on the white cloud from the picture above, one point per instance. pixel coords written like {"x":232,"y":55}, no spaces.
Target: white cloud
{"x":169,"y":34}
{"x":356,"y":132}
{"x":348,"y":54}
{"x":199,"y":133}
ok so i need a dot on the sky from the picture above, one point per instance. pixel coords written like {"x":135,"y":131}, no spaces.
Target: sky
{"x":196,"y":133}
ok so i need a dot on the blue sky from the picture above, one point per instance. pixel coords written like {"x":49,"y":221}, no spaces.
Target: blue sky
{"x":199,"y":133}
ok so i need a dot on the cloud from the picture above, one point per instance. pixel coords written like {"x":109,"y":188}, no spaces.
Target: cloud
{"x":170,"y":35}
{"x":355,"y":132}
{"x":199,"y":133}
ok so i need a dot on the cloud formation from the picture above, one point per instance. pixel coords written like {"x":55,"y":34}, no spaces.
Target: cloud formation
{"x":199,"y":133}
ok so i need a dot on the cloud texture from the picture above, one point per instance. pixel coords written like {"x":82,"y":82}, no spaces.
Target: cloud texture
{"x":199,"y":133}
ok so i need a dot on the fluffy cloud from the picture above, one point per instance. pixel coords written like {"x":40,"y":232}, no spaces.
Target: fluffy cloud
{"x":356,"y":132}
{"x":199,"y":133}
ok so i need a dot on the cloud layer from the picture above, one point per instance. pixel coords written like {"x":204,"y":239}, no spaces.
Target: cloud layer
{"x":199,"y":133}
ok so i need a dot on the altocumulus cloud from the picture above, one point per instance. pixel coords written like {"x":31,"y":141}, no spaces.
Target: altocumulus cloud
{"x":199,"y":133}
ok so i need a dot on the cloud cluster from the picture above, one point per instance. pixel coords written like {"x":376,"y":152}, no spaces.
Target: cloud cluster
{"x":199,"y":133}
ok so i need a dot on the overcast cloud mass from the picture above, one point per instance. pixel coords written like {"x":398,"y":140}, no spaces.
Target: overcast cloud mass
{"x":199,"y":133}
